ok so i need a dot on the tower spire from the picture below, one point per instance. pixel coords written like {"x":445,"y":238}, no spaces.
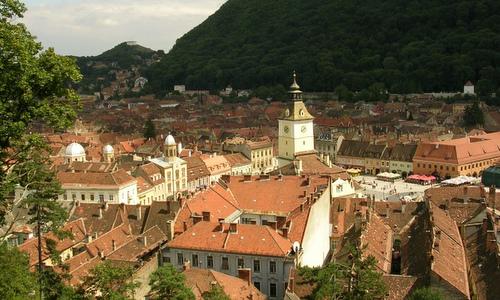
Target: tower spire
{"x":295,"y":92}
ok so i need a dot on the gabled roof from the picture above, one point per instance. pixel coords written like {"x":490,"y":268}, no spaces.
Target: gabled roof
{"x":76,"y":228}
{"x":448,"y":253}
{"x":377,"y":238}
{"x":97,"y":179}
{"x":136,"y":247}
{"x":248,"y":239}
{"x":202,"y":280}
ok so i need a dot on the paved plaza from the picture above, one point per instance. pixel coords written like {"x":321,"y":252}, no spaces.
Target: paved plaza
{"x":391,"y":191}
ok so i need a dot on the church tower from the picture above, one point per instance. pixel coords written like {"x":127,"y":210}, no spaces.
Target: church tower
{"x":170,"y":147}
{"x":296,"y":134}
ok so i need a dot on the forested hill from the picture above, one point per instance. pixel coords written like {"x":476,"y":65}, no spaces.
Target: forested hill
{"x":100,"y":70}
{"x":408,"y":45}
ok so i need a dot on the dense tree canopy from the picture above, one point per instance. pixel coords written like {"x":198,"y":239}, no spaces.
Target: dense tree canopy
{"x":34,"y":88}
{"x":167,"y":283}
{"x":402,"y":46}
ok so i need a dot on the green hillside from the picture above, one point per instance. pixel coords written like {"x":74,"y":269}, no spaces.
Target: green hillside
{"x":96,"y":69}
{"x":399,"y":45}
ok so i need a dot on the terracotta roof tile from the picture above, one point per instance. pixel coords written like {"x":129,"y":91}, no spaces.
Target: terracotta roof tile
{"x":249,"y":239}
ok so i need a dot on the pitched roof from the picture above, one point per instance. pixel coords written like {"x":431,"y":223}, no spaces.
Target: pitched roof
{"x":399,"y":286}
{"x":114,"y":238}
{"x":215,"y":200}
{"x":352,"y":148}
{"x":76,"y":228}
{"x":196,"y":168}
{"x":234,"y":287}
{"x":237,"y":159}
{"x":136,"y":247}
{"x":273,"y":196}
{"x":101,"y":180}
{"x":462,"y":150}
{"x":448,"y":252}
{"x":377,"y":237}
{"x":248,"y":239}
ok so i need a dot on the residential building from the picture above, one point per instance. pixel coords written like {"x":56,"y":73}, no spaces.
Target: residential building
{"x":217,"y":165}
{"x":464,"y":156}
{"x":399,"y":158}
{"x":351,"y":154}
{"x":240,"y":165}
{"x":198,"y":176}
{"x":112,"y":187}
{"x":259,"y":151}
{"x":374,"y":163}
{"x":201,"y":281}
{"x":227,"y":248}
{"x":328,"y":143}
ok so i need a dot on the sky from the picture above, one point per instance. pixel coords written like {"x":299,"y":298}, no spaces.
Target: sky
{"x":90,"y":27}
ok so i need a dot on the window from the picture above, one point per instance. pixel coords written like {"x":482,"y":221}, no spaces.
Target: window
{"x":225,"y":263}
{"x":272,"y":289}
{"x":256,"y":266}
{"x":82,"y":196}
{"x":272,"y":267}
{"x":241,"y":263}
{"x":257,"y":285}
{"x":65,"y":196}
{"x":73,"y":197}
{"x":210,"y":261}
{"x":92,"y":197}
{"x":101,"y":197}
{"x":110,"y":197}
{"x":176,"y":174}
{"x":166,"y":259}
{"x":180,"y":259}
{"x":195,"y":260}
{"x":418,"y":165}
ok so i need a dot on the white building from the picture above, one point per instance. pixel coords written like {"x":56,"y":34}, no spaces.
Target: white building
{"x":174,"y":168}
{"x":296,"y":135}
{"x":469,"y":88}
{"x":74,"y":152}
{"x":112,"y":187}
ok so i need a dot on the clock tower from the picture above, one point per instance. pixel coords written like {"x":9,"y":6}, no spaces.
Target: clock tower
{"x":295,"y":126}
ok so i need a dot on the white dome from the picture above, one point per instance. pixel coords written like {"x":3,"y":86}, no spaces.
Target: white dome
{"x":75,"y":149}
{"x":108,"y":149}
{"x":169,"y":141}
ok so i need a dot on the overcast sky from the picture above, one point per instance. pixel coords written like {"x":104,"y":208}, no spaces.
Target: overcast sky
{"x":89,"y":27}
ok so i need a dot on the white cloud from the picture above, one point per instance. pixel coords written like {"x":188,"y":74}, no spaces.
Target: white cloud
{"x":89,"y":27}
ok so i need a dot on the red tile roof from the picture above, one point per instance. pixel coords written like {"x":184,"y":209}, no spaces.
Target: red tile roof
{"x":448,"y":252}
{"x":249,"y":239}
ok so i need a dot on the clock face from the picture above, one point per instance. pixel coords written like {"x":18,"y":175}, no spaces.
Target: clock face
{"x":286,"y":129}
{"x":303,"y":129}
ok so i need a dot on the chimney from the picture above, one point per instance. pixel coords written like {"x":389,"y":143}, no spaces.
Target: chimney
{"x":100,"y":253}
{"x":233,"y":227}
{"x":465,"y":190}
{"x":246,"y":275}
{"x":492,"y":196}
{"x":284,"y":231}
{"x":139,"y":212}
{"x":305,"y":193}
{"x":403,"y":206}
{"x":77,"y":203}
{"x":145,"y":240}
{"x":206,"y":216}
{"x":184,"y":225}
{"x":113,"y":245}
{"x":221,"y":225}
{"x":302,"y":207}
{"x":387,"y":210}
{"x":100,"y":212}
{"x":106,"y":205}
